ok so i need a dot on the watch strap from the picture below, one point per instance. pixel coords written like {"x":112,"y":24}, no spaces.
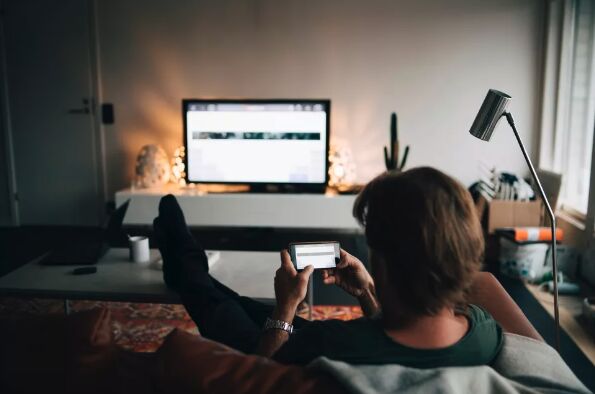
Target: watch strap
{"x":272,"y":324}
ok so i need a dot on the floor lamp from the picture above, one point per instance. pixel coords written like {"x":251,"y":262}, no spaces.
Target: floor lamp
{"x":492,"y":109}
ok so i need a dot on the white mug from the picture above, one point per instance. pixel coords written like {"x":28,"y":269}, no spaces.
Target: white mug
{"x":139,"y":249}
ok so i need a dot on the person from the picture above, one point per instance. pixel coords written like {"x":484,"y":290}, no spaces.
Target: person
{"x":425,"y":302}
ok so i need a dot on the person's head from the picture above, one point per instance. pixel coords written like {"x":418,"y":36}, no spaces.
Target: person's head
{"x":425,"y":240}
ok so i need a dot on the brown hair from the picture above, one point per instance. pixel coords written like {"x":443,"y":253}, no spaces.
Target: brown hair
{"x":424,"y":226}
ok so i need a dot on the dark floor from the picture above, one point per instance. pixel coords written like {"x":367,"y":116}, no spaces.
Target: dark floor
{"x":20,"y":245}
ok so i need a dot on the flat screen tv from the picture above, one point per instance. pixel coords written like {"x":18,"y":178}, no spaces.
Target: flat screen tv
{"x":278,"y":145}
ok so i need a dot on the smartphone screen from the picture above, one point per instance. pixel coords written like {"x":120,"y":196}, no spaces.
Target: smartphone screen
{"x":318,"y":254}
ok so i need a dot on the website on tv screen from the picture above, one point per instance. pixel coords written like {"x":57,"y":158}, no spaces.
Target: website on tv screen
{"x":256,"y":142}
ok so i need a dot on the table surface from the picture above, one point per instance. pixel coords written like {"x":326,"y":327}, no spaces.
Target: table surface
{"x":117,"y":279}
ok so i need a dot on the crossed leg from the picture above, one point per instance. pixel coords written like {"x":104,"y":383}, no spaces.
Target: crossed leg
{"x":220,"y":313}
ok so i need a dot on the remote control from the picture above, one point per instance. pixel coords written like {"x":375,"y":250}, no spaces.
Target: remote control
{"x":84,"y":270}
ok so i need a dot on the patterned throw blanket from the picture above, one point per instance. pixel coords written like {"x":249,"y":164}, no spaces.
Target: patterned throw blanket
{"x":142,"y":327}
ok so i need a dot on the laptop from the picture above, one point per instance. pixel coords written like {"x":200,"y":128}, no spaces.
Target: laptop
{"x":89,"y":252}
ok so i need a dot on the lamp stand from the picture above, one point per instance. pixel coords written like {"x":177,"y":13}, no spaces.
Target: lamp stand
{"x":552,"y":217}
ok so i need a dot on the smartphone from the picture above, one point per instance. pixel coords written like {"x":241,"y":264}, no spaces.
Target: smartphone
{"x":318,"y":254}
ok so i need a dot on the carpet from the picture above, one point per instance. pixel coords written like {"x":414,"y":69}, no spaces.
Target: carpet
{"x":143,"y":327}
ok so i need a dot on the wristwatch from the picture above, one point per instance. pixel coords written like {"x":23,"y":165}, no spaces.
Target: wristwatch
{"x":277,"y":325}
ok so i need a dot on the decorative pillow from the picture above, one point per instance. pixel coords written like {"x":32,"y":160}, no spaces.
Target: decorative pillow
{"x":55,"y":353}
{"x":192,"y":364}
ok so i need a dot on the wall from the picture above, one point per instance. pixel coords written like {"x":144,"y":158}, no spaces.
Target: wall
{"x":5,"y":214}
{"x":430,"y":60}
{"x":5,"y":211}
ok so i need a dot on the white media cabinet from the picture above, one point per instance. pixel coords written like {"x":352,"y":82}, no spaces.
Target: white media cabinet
{"x":295,"y":211}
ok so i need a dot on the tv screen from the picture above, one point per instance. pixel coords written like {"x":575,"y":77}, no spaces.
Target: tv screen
{"x":256,"y":141}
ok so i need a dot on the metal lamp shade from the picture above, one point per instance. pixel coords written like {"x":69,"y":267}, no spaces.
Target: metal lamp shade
{"x":493,"y":107}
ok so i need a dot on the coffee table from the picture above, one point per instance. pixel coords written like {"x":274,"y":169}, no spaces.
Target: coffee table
{"x":117,"y":279}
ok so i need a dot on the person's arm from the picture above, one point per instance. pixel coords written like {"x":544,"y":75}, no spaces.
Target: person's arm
{"x":271,"y":340}
{"x":351,"y":275}
{"x":290,"y":290}
{"x":488,"y":293}
{"x":368,"y":301}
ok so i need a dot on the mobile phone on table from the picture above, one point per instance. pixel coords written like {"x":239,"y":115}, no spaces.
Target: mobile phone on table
{"x":318,"y":254}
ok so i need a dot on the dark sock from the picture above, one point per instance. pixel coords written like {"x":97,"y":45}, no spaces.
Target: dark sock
{"x":171,"y":268}
{"x":172,"y":220}
{"x":187,"y":264}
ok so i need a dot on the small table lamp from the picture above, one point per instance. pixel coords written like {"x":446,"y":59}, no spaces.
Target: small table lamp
{"x":492,"y":109}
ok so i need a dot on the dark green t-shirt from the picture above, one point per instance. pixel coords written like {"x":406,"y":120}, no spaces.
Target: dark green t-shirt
{"x":363,"y":341}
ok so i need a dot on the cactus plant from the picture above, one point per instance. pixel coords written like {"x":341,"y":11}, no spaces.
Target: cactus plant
{"x":392,"y":161}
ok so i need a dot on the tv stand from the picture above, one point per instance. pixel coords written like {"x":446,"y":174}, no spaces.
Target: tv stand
{"x":285,"y":189}
{"x":280,"y":210}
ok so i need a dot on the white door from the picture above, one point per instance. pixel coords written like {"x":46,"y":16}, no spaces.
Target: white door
{"x":50,"y":84}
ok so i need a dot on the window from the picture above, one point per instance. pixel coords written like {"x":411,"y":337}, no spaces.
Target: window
{"x":569,"y":100}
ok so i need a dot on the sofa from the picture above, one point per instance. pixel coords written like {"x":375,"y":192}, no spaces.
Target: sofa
{"x":77,"y":354}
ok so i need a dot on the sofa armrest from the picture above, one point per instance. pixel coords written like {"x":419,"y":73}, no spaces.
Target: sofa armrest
{"x":488,"y":293}
{"x":189,"y":363}
{"x":535,"y":364}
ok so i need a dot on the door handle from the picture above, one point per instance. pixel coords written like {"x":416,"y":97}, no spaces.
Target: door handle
{"x":76,"y":111}
{"x":85,"y":110}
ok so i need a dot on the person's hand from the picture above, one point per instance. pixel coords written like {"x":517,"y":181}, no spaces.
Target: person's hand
{"x":350,"y":275}
{"x":290,"y":287}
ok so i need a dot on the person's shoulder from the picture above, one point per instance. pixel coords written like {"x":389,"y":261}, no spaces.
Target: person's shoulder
{"x":478,"y":314}
{"x":485,"y":332}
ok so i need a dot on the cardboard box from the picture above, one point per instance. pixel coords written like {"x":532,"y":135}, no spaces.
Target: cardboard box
{"x":505,"y":213}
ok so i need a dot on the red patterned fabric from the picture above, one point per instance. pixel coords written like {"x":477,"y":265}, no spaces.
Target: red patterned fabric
{"x":143,"y":327}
